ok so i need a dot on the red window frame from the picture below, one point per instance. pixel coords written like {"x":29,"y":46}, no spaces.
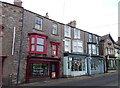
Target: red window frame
{"x":35,"y":36}
{"x":57,"y":48}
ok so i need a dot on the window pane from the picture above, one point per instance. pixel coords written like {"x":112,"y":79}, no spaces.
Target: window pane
{"x":33,"y":48}
{"x":54,"y":29}
{"x":67,"y":31}
{"x":33,"y":40}
{"x":37,"y":26}
{"x":54,"y":53}
{"x":54,"y":47}
{"x":40,"y":48}
{"x":40,"y":41}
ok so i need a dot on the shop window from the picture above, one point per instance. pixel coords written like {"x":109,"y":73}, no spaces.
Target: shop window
{"x":77,"y":46}
{"x":39,"y":69}
{"x":67,"y":31}
{"x":38,"y":44}
{"x":76,"y":34}
{"x":38,"y":23}
{"x":78,"y":64}
{"x":54,"y":28}
{"x":54,"y":48}
{"x":94,"y":65}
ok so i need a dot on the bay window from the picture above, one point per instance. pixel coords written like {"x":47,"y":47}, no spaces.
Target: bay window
{"x":38,"y":44}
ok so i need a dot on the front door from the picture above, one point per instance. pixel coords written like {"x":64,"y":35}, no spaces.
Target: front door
{"x":53,"y":70}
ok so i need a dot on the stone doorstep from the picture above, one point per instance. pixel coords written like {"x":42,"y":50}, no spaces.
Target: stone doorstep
{"x":52,"y":81}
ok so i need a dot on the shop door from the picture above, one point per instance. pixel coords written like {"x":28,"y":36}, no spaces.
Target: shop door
{"x":53,"y":70}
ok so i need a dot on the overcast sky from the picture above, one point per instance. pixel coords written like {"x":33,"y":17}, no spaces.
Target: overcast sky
{"x":96,"y":16}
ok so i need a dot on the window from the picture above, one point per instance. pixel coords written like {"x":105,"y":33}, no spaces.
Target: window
{"x":54,"y":28}
{"x":38,"y":44}
{"x":93,"y":49}
{"x":54,"y":48}
{"x":90,"y":38}
{"x":39,"y":69}
{"x":89,"y":49}
{"x":76,"y":33}
{"x":94,"y":64}
{"x":97,"y":50}
{"x":67,"y":31}
{"x":78,"y":64}
{"x":38,"y":23}
{"x":97,"y":40}
{"x":67,"y":45}
{"x":77,"y":46}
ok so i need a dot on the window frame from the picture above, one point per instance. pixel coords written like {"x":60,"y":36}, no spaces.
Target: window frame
{"x":66,"y":28}
{"x":68,"y":46}
{"x":76,"y":36}
{"x":56,"y":29}
{"x":90,"y":39}
{"x":38,"y":23}
{"x":57,"y":48}
{"x":35,"y":43}
{"x":77,"y":42}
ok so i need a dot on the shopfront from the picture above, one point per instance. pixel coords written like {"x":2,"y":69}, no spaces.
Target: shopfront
{"x":74,"y":65}
{"x":39,"y":68}
{"x":97,"y":65}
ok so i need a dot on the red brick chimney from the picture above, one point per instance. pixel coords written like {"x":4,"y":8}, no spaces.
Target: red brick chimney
{"x":18,"y":2}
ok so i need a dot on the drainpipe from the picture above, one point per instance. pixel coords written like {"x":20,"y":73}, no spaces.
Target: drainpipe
{"x":20,"y":51}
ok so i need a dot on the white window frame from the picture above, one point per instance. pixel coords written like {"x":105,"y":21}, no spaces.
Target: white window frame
{"x":79,"y":46}
{"x":38,"y":24}
{"x":89,"y":37}
{"x":54,"y":29}
{"x":67,"y":31}
{"x":94,"y":49}
{"x":69,"y":45}
{"x":76,"y":33}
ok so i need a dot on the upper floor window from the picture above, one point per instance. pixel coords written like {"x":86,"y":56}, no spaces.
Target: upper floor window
{"x":38,"y":23}
{"x":54,"y":48}
{"x":89,"y":49}
{"x":38,"y":44}
{"x":54,"y":28}
{"x":93,"y":49}
{"x":67,"y":31}
{"x":77,"y":46}
{"x":90,"y":38}
{"x":76,"y":33}
{"x":67,"y":45}
{"x":97,"y":40}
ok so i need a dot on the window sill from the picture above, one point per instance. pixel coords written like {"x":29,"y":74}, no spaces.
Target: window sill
{"x":38,"y":29}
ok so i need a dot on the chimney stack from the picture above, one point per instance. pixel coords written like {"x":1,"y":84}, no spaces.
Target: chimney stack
{"x":18,"y":2}
{"x":47,"y":15}
{"x":72,"y":23}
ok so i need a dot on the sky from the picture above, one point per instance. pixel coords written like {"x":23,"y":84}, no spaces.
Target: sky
{"x":95,"y":16}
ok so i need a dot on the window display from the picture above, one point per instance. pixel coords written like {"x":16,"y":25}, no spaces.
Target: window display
{"x":78,"y":64}
{"x":40,"y":69}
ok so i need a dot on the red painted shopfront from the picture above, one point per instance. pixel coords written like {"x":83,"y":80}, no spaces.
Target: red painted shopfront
{"x":42,"y":67}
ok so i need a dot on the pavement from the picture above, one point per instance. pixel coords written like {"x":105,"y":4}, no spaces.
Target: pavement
{"x":48,"y":82}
